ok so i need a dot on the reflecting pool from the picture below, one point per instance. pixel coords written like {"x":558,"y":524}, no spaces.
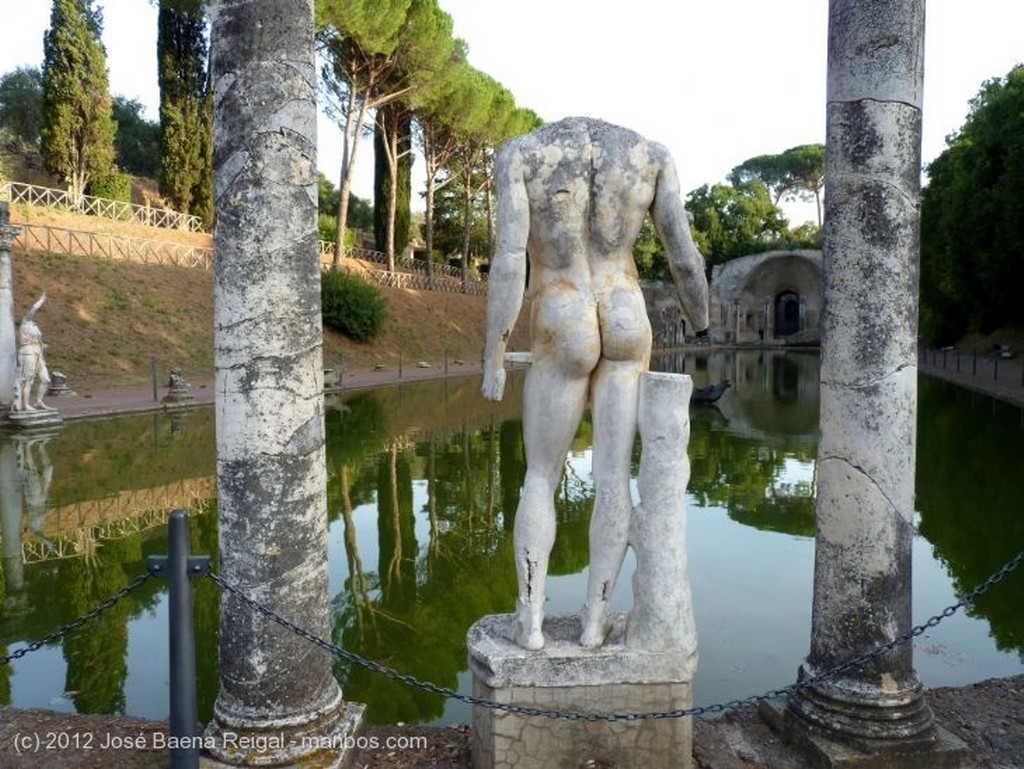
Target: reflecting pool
{"x":423,"y":481}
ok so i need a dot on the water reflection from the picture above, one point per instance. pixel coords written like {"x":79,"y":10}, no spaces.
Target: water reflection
{"x":423,"y":481}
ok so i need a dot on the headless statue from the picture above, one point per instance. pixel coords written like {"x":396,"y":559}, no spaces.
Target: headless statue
{"x":573,"y":195}
{"x":33,"y":376}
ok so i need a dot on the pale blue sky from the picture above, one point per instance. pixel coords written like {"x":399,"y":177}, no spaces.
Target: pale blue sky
{"x":716,"y":82}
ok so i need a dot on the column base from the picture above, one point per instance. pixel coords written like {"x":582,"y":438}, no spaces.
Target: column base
{"x":565,"y":676}
{"x":323,"y":738}
{"x":933,"y":747}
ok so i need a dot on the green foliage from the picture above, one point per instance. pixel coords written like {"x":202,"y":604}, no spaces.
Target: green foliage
{"x":112,"y":186}
{"x":21,"y":104}
{"x":648,"y":253}
{"x":138,"y":140}
{"x":449,"y":219}
{"x":972,"y":219}
{"x":186,"y":167}
{"x":382,"y":181}
{"x":797,"y":173}
{"x":327,"y":227}
{"x":327,"y":195}
{"x":77,"y":131}
{"x":352,"y":305}
{"x":735,"y":220}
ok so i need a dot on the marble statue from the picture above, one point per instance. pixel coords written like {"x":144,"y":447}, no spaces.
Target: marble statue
{"x":32,"y":372}
{"x":571,"y":198}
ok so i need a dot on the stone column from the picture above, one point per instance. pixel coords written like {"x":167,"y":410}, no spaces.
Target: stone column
{"x":279,"y":702}
{"x":11,"y":515}
{"x":866,"y":456}
{"x":8,"y":347}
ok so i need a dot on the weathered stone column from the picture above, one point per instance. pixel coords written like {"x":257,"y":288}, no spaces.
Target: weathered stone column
{"x":279,"y":702}
{"x":8,"y":347}
{"x":866,"y":456}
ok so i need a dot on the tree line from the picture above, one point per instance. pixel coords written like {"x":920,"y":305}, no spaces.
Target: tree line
{"x":972,"y":220}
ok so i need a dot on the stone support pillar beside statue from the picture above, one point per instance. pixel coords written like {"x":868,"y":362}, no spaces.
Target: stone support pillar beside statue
{"x":648,"y":658}
{"x":8,"y":346}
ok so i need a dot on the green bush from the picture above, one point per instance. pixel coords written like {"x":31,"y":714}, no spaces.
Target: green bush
{"x":113,"y":186}
{"x":352,"y":305}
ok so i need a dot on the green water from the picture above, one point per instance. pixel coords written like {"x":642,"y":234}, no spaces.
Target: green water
{"x":423,"y":480}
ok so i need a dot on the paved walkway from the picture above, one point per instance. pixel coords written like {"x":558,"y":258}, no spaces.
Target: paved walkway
{"x":107,"y":401}
{"x":1000,"y":378}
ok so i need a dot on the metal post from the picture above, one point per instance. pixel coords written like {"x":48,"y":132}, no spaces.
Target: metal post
{"x":152,"y":369}
{"x":178,"y":566}
{"x":958,"y":360}
{"x":995,"y":367}
{"x":399,"y":364}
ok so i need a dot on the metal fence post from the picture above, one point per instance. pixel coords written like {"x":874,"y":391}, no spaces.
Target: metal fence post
{"x":178,"y":566}
{"x":152,"y":368}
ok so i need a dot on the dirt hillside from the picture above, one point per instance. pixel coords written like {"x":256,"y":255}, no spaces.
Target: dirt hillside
{"x":105,"y":321}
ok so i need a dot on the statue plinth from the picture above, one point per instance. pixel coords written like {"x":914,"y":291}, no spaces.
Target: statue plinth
{"x":566,"y":676}
{"x":38,"y":419}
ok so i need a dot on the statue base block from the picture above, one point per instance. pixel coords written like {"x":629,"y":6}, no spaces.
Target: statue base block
{"x":565,"y":676}
{"x":37,"y":420}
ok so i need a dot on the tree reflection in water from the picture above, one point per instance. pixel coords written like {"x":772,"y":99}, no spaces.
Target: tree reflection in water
{"x":423,"y":482}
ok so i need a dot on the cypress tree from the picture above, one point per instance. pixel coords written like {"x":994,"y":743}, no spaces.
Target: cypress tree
{"x":78,"y":128}
{"x":382,"y":181}
{"x":185,"y":174}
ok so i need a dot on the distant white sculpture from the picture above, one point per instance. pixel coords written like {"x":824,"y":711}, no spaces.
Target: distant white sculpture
{"x":574,"y":194}
{"x":32,"y":375}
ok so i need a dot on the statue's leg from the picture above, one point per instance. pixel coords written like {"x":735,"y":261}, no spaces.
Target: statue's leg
{"x":42,"y":382}
{"x":616,"y":387}
{"x":552,"y":408}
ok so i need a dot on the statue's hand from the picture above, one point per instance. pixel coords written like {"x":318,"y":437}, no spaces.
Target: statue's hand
{"x":493,"y":387}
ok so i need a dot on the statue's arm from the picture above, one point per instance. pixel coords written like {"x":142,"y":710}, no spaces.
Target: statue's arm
{"x":34,"y":308}
{"x":507,"y":276}
{"x":684,"y":260}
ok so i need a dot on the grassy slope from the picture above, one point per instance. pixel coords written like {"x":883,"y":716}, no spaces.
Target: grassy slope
{"x":104,"y":321}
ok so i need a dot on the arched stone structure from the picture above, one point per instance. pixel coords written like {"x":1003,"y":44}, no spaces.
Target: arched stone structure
{"x":768,"y":298}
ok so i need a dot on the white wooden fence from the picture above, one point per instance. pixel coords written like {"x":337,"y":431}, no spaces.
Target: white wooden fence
{"x":18,"y":192}
{"x":54,"y":240}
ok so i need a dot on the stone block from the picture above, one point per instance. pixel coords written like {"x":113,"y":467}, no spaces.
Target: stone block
{"x":565,"y":676}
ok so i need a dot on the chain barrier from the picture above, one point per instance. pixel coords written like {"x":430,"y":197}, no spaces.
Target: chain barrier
{"x":576,"y":715}
{"x":63,"y":630}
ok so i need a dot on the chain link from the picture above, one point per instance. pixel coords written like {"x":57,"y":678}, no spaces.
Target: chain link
{"x":63,"y":630}
{"x":576,"y":715}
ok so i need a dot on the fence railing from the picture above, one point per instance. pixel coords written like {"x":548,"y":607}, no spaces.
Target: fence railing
{"x":409,"y":273}
{"x":997,"y":365}
{"x":56,"y":240}
{"x":404,"y":264}
{"x":19,"y":192}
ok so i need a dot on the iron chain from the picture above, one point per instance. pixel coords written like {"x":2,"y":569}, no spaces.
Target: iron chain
{"x":63,"y":630}
{"x":576,"y":715}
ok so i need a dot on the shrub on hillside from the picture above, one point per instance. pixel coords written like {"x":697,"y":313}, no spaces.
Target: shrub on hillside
{"x":351,"y":305}
{"x":112,"y":186}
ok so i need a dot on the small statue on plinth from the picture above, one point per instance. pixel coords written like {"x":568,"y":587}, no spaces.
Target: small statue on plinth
{"x":32,"y":378}
{"x":178,"y":390}
{"x":59,"y":387}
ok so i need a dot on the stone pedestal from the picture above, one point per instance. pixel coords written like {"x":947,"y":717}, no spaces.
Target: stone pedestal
{"x":565,"y":676}
{"x":37,"y":420}
{"x":935,"y":747}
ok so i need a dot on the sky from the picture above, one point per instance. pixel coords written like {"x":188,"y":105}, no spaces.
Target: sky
{"x":716,"y":82}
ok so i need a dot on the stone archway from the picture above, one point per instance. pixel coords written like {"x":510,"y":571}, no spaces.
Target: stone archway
{"x":787,"y":313}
